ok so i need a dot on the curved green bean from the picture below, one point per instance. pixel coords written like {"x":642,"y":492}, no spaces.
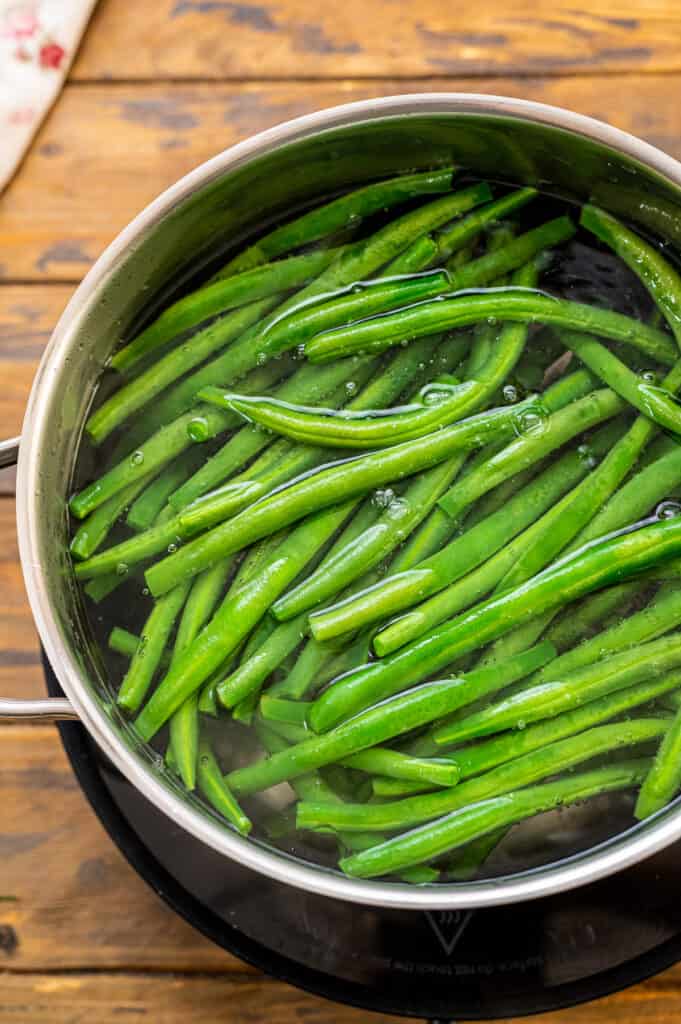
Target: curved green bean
{"x":213,"y":787}
{"x":395,"y":765}
{"x":380,"y":333}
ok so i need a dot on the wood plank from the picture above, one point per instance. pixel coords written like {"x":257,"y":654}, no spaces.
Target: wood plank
{"x":20,"y":672}
{"x":106,"y":999}
{"x":78,"y":904}
{"x":105,"y":152}
{"x":265,"y":39}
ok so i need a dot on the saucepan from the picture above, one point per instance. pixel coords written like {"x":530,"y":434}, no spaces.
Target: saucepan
{"x":218,"y":205}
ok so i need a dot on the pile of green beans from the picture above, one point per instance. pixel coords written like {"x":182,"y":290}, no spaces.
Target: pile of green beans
{"x":329,"y":530}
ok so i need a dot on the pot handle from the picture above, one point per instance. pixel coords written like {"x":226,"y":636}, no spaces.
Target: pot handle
{"x":58,"y":708}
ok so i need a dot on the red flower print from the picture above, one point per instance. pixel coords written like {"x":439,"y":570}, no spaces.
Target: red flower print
{"x":21,"y":22}
{"x":51,"y":55}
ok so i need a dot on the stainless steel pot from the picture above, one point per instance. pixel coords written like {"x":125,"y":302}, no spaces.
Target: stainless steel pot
{"x":224,"y":199}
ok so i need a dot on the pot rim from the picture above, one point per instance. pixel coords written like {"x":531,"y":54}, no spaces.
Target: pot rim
{"x":581,"y":869}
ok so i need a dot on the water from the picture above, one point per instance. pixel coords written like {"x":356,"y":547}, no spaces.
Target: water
{"x":386,"y":520}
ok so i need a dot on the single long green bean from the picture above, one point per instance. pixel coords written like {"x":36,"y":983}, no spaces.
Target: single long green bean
{"x":611,"y":560}
{"x":663,"y":781}
{"x":153,"y":639}
{"x":543,"y":700}
{"x":220,"y":297}
{"x":456,"y":830}
{"x":371,"y":728}
{"x":338,"y":214}
{"x":252,"y":673}
{"x":214,"y":788}
{"x":522,"y":306}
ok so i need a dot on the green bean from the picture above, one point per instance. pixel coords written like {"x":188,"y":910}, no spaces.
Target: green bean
{"x":462,"y":555}
{"x":385,"y":787}
{"x":251,"y":674}
{"x":453,"y":239}
{"x":487,"y":754}
{"x":214,"y":788}
{"x":610,"y":560}
{"x":657,"y":274}
{"x":278,"y":709}
{"x":137,"y":392}
{"x":100,"y":587}
{"x":153,"y":639}
{"x":663,"y":781}
{"x":369,"y":729}
{"x":338,"y":214}
{"x":144,"y":510}
{"x":395,"y":765}
{"x":421,"y":253}
{"x":456,"y":830}
{"x":184,"y":725}
{"x":337,"y":482}
{"x":560,"y":756}
{"x":239,"y":612}
{"x":542,"y":437}
{"x":543,"y":700}
{"x":379,"y":333}
{"x":220,"y":297}
{"x":93,"y":530}
{"x":653,"y":401}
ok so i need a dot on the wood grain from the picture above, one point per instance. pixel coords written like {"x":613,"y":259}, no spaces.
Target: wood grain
{"x":105,"y":151}
{"x":20,"y":671}
{"x":108,"y":999}
{"x":77,"y":901}
{"x":293,"y":39}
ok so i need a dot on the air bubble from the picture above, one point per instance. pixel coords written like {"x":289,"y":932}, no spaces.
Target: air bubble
{"x":531,"y":422}
{"x":521,"y":723}
{"x":649,"y":376}
{"x":510,"y":393}
{"x":172,"y":548}
{"x":261,"y":358}
{"x":137,"y":458}
{"x":397,"y":508}
{"x":668,"y":509}
{"x":198,"y":429}
{"x":383,"y":498}
{"x":122,"y":569}
{"x":351,"y":387}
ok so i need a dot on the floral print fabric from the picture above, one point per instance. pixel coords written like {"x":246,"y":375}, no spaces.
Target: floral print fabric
{"x":38,"y":39}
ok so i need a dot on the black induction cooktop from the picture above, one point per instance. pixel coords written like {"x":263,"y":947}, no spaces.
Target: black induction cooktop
{"x":446,"y":965}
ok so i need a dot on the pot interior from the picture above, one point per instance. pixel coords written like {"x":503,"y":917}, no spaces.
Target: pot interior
{"x":211,"y":214}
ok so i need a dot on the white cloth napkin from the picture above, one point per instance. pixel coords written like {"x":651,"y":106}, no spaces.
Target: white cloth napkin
{"x":38,"y":40}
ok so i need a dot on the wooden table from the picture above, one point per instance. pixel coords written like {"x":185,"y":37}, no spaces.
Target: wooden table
{"x":157,"y":88}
